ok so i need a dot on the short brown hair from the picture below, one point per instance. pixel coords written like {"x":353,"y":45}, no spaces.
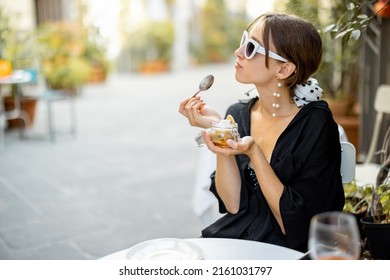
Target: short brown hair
{"x":295,"y":39}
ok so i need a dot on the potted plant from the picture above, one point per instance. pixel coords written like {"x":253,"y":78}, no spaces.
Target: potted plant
{"x":340,"y":24}
{"x":95,"y":53}
{"x":357,"y":201}
{"x":61,"y":49}
{"x":150,"y":47}
{"x":220,"y":30}
{"x":377,"y":225}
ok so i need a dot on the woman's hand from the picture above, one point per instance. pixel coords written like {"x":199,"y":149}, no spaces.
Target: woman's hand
{"x":245,"y":145}
{"x":195,"y":110}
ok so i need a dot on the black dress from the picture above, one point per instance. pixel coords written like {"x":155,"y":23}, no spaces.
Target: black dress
{"x":306,"y":159}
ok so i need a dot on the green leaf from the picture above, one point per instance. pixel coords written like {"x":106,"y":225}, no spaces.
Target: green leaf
{"x":356,"y":34}
{"x":330,"y":27}
{"x":363,"y":16}
{"x":350,"y":6}
{"x":341,"y":34}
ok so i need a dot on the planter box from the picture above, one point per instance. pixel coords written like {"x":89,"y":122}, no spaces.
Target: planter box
{"x":156,"y":66}
{"x":28,"y":105}
{"x":98,"y":75}
{"x":378,"y":238}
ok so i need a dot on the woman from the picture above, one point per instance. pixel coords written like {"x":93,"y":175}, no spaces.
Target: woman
{"x":286,"y":166}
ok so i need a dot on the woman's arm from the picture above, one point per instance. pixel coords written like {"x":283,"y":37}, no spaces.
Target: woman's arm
{"x":270,"y":184}
{"x":228,"y":182}
{"x":227,"y":177}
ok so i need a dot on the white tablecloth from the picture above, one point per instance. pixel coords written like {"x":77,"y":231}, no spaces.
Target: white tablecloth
{"x":231,"y":249}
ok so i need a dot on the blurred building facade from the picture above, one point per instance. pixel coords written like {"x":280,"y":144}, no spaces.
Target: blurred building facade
{"x":116,"y":19}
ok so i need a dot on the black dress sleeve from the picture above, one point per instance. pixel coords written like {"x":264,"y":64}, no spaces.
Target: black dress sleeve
{"x":310,"y":172}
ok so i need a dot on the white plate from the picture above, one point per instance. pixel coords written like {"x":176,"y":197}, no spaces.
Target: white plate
{"x":165,"y":249}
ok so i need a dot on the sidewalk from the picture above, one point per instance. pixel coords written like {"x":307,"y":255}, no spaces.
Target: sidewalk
{"x":126,"y":177}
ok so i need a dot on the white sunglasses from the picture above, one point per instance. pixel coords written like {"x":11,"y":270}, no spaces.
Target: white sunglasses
{"x":252,"y":47}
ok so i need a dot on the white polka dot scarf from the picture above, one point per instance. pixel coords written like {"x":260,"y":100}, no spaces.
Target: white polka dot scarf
{"x":307,"y":92}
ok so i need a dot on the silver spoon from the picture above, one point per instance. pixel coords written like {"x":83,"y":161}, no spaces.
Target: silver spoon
{"x":205,"y":84}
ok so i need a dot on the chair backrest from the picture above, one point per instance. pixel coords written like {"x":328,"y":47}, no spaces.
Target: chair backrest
{"x":348,"y":162}
{"x":381,"y":106}
{"x":382,"y":99}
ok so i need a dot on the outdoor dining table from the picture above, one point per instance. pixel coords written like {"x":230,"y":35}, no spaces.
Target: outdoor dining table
{"x":227,"y":249}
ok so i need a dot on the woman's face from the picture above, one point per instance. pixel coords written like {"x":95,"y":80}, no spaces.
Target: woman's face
{"x":254,"y":71}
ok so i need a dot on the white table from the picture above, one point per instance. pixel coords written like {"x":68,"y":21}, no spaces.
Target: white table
{"x":231,"y":249}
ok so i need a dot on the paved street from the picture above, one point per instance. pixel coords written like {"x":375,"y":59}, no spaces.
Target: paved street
{"x":126,"y":177}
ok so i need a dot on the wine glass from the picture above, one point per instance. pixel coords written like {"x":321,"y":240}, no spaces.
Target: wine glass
{"x":334,"y":236}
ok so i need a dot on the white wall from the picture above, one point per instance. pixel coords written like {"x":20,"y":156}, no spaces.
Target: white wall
{"x":21,"y":12}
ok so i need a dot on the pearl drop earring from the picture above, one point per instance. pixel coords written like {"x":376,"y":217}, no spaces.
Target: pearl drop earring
{"x":276,"y":105}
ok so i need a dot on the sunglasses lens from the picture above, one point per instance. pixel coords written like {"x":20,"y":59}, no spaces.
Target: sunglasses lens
{"x":249,"y":49}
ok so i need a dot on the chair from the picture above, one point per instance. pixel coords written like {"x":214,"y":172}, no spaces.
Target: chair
{"x":381,"y":106}
{"x":348,"y":162}
{"x":367,"y":172}
{"x":49,"y":97}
